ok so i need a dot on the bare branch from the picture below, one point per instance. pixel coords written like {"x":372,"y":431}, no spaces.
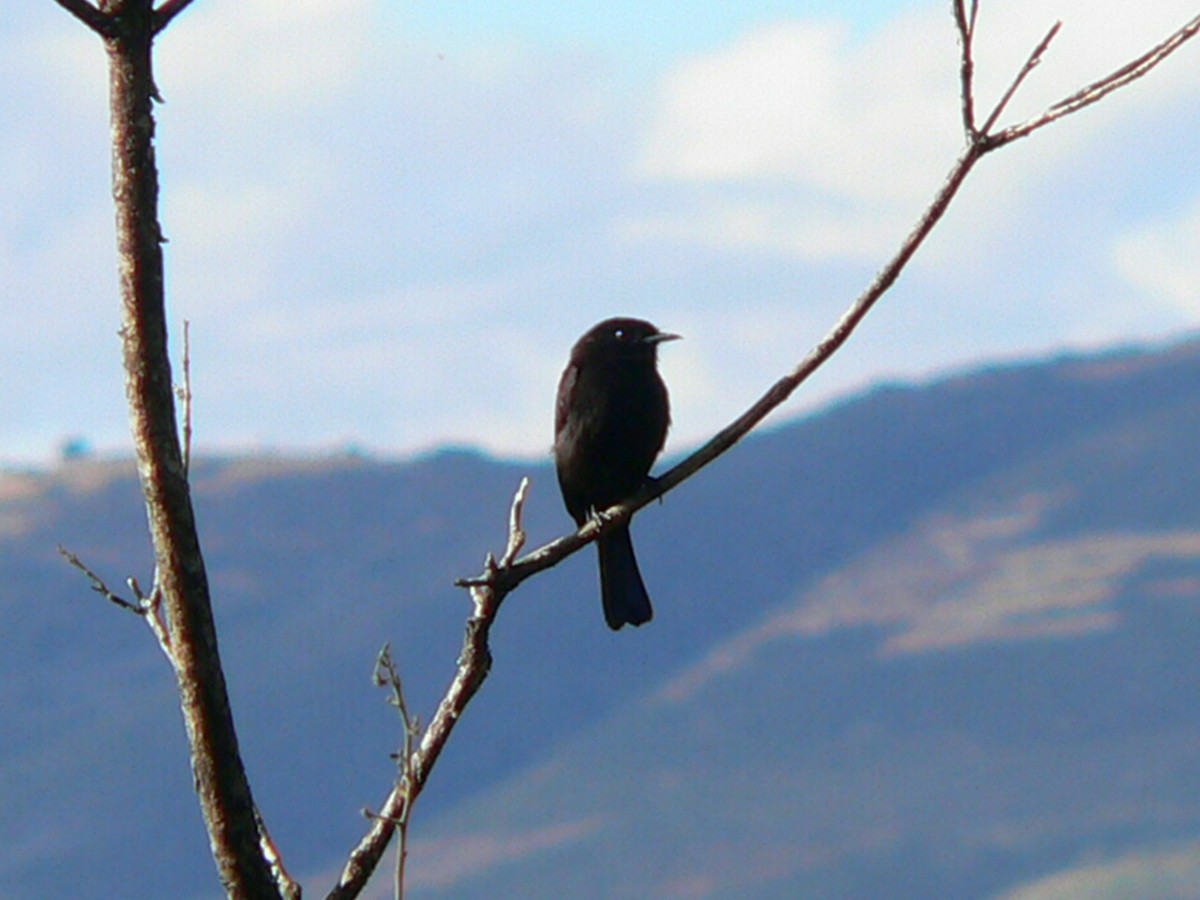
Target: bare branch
{"x":100,"y":22}
{"x":168,"y":11}
{"x":149,"y":608}
{"x":1096,"y":91}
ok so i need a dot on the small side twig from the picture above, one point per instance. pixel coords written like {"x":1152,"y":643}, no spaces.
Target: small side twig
{"x":149,"y":607}
{"x":100,"y":22}
{"x":387,"y":675}
{"x":289,"y":889}
{"x":168,"y":11}
{"x":1034,"y":60}
{"x":474,"y":664}
{"x":516,"y":530}
{"x":98,"y":585}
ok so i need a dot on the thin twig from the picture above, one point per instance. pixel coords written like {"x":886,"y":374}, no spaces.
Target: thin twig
{"x":148,"y":607}
{"x":100,"y":22}
{"x":516,"y":531}
{"x":168,"y":11}
{"x":98,"y":585}
{"x":1031,"y":63}
{"x":387,"y":675}
{"x":474,"y":663}
{"x":152,"y":612}
{"x":289,"y":889}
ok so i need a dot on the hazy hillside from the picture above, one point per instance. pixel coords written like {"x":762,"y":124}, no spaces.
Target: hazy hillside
{"x":935,"y":641}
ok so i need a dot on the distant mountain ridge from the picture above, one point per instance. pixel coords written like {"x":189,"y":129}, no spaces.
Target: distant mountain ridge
{"x":935,"y":640}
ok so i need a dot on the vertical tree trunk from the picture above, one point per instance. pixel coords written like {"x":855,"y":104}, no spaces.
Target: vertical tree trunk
{"x":180,"y":579}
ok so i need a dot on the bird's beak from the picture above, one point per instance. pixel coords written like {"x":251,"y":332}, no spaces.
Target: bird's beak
{"x":662,"y":337}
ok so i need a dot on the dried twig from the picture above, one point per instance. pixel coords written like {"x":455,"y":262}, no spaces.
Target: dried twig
{"x":474,"y":663}
{"x":516,"y":532}
{"x":100,"y":22}
{"x":97,"y":583}
{"x":387,"y":675}
{"x":1034,"y":60}
{"x":148,"y":607}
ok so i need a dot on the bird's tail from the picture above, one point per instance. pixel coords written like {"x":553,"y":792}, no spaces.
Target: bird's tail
{"x":621,"y":587}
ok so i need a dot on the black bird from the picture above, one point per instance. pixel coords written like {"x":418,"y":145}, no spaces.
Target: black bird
{"x":610,"y":421}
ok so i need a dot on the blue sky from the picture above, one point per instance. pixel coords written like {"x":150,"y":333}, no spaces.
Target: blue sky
{"x":389,"y":221}
{"x":655,"y":32}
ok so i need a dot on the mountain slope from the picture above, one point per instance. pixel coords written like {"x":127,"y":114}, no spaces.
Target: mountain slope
{"x":1006,"y":686}
{"x":935,"y":638}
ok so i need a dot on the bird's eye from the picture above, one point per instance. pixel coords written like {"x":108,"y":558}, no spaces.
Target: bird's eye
{"x":619,"y":334}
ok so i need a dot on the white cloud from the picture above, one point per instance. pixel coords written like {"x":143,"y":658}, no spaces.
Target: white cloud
{"x":844,"y":135}
{"x":396,"y":244}
{"x":1162,"y":259}
{"x":272,"y":55}
{"x":801,"y":141}
{"x":1097,"y":37}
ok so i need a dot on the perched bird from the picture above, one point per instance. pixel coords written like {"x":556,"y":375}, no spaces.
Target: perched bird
{"x":610,"y":421}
